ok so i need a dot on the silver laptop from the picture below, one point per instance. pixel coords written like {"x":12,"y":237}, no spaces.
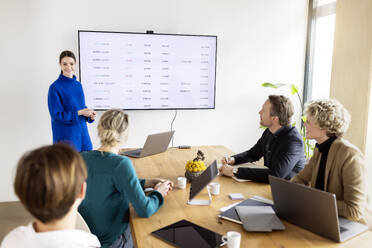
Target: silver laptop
{"x":155,"y":143}
{"x":312,"y":209}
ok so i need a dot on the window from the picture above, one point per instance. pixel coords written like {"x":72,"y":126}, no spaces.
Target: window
{"x":318,"y":66}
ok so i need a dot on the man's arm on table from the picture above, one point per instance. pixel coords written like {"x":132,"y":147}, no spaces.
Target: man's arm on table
{"x":281,"y":165}
{"x":253,"y":154}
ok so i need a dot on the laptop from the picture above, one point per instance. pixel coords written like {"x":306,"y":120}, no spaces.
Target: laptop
{"x":201,"y":182}
{"x":312,"y":209}
{"x":155,"y":143}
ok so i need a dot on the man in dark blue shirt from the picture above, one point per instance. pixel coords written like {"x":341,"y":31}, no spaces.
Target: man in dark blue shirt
{"x":280,"y":145}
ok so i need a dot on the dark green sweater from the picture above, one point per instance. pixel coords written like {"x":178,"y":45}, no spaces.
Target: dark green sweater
{"x":112,"y":185}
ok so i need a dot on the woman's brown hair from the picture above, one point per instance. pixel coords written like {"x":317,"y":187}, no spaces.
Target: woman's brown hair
{"x":67,"y":54}
{"x":48,"y":181}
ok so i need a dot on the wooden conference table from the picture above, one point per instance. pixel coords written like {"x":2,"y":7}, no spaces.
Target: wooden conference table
{"x":171,"y":164}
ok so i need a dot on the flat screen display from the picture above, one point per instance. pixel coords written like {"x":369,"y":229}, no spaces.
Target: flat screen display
{"x":185,"y":234}
{"x":147,"y":71}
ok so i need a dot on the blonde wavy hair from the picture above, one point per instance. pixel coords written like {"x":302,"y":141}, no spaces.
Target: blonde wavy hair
{"x":329,"y":114}
{"x":112,"y":126}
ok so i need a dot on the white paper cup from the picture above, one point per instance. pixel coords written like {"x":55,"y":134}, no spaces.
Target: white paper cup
{"x":232,"y":239}
{"x":181,"y":182}
{"x":214,"y":188}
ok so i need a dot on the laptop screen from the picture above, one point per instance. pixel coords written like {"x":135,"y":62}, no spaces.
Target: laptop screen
{"x":201,"y":181}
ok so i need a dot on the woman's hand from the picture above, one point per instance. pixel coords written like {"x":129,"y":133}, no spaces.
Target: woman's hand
{"x":150,"y":183}
{"x":93,"y":115}
{"x":86,"y":112}
{"x":163,"y":187}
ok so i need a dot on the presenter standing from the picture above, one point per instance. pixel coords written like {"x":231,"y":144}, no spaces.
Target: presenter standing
{"x":67,"y":108}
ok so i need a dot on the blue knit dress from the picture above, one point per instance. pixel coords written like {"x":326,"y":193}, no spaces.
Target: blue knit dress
{"x":65,"y":99}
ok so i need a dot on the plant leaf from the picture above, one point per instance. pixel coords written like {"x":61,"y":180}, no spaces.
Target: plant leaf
{"x":294,"y":89}
{"x":269,"y":85}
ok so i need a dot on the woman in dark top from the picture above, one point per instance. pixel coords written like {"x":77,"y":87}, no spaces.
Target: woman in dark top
{"x":337,"y":166}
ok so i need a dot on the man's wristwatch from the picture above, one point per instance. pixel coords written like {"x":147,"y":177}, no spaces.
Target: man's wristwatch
{"x":235,"y":171}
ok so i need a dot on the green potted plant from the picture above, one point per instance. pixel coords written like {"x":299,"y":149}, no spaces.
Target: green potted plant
{"x":308,"y":146}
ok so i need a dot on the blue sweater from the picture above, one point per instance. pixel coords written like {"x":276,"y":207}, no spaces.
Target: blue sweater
{"x":111,"y":185}
{"x":65,"y":99}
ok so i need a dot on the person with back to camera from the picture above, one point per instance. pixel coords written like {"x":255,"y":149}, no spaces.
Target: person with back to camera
{"x":50,"y":183}
{"x":280,"y":145}
{"x":337,"y":166}
{"x":66,"y":103}
{"x":113,"y":184}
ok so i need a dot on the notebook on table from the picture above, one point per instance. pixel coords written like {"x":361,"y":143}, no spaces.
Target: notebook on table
{"x":259,"y":218}
{"x":232,"y":215}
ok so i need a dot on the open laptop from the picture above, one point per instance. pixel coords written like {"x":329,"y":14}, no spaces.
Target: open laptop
{"x":200,"y":183}
{"x":312,"y":209}
{"x":155,"y":143}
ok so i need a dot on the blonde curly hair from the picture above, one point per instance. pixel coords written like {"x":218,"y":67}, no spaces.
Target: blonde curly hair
{"x":329,"y":114}
{"x":111,"y":127}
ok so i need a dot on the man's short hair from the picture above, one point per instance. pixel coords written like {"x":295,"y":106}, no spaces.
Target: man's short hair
{"x":48,"y":181}
{"x":282,"y":107}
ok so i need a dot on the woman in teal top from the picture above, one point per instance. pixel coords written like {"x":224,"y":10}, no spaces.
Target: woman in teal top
{"x":112,"y":184}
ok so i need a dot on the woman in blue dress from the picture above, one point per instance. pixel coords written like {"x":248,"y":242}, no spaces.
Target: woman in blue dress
{"x":67,"y":109}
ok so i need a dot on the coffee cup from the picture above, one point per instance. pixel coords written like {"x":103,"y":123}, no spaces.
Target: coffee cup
{"x":214,"y":188}
{"x":232,"y":239}
{"x":181,"y":182}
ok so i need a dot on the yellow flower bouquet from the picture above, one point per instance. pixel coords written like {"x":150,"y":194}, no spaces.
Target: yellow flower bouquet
{"x":195,"y":167}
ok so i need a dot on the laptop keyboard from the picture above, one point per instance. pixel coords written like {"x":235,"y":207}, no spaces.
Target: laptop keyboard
{"x":343,"y":224}
{"x":343,"y":229}
{"x":133,"y":152}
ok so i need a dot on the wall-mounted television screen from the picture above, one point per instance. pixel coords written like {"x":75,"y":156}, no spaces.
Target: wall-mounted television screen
{"x":147,"y":71}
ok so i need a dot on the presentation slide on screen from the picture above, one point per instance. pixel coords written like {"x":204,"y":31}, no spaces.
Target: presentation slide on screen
{"x":147,"y":71}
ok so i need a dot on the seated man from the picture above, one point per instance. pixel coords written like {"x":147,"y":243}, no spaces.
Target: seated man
{"x":280,"y":145}
{"x":50,"y":183}
{"x":337,"y":166}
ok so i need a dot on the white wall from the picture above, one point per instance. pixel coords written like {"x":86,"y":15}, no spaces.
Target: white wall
{"x":258,"y":41}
